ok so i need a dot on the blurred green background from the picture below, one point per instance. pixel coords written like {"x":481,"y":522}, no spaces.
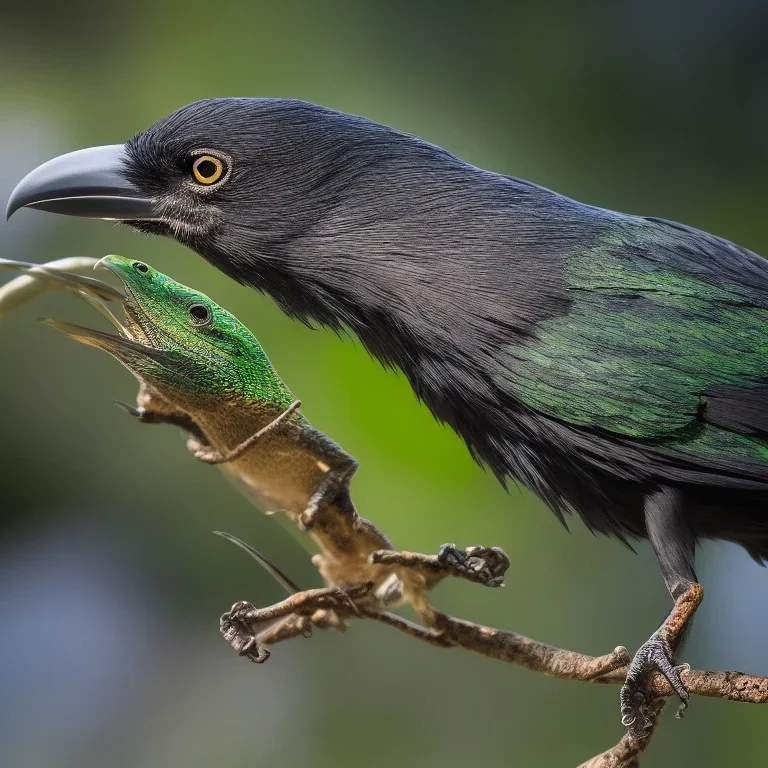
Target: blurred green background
{"x":110,"y":581}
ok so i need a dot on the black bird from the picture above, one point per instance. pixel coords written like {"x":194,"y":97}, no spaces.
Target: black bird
{"x":616,"y":365}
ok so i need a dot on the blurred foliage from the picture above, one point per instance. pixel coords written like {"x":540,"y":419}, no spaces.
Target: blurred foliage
{"x":111,"y":580}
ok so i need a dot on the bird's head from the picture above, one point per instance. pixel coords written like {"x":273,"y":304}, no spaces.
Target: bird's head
{"x":224,"y":176}
{"x":344,"y":222}
{"x":180,"y":342}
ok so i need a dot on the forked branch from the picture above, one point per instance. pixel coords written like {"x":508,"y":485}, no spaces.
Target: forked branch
{"x":250,"y":630}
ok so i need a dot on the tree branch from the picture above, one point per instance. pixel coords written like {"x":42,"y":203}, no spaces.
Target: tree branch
{"x":626,"y":754}
{"x":330,"y":608}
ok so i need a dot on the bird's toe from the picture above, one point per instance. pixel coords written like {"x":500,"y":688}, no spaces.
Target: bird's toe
{"x":636,"y":704}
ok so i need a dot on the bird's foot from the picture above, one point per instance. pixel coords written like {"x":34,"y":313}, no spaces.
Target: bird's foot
{"x":234,"y":628}
{"x":637,"y":707}
{"x":485,"y":565}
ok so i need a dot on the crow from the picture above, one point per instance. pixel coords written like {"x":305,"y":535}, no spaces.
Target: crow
{"x":615,"y":365}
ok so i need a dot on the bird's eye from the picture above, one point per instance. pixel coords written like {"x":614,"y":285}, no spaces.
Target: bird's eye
{"x":207,"y":169}
{"x":140,"y":266}
{"x":200,"y":314}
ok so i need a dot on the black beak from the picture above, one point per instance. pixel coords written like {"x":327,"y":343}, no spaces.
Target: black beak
{"x":89,"y":182}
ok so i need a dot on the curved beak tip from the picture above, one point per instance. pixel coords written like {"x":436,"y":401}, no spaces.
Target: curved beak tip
{"x":11,"y":208}
{"x":89,"y":182}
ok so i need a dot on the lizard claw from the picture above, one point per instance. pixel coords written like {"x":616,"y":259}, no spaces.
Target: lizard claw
{"x":233,"y":629}
{"x":485,"y":565}
{"x":137,"y":413}
{"x":307,"y":517}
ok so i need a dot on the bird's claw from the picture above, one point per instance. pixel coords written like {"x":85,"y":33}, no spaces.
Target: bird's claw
{"x":679,"y":669}
{"x":637,"y":709}
{"x":486,"y":565}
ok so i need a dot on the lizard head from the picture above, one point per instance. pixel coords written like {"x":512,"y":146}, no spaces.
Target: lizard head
{"x":180,"y":342}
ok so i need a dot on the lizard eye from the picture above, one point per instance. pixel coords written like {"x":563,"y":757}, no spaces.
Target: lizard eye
{"x":140,"y":266}
{"x":199,"y":314}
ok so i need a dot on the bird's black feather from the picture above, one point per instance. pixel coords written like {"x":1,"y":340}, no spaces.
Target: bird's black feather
{"x":446,"y":271}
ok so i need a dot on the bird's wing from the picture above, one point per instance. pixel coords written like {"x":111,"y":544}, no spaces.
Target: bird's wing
{"x":667,"y":333}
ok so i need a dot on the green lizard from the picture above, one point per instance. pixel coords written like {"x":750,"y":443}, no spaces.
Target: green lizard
{"x":200,"y":369}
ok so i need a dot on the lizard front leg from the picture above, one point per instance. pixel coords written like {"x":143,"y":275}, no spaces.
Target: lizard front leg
{"x":481,"y":565}
{"x":339,"y":468}
{"x":150,"y":408}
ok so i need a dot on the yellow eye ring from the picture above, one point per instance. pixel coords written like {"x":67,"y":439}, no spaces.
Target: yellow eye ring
{"x":207,"y":170}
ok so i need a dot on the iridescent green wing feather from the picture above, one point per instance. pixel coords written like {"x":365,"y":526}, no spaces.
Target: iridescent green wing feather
{"x":661,"y":317}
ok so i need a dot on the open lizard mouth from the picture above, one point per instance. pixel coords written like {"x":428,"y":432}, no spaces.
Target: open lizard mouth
{"x":133,"y":344}
{"x":39,"y":278}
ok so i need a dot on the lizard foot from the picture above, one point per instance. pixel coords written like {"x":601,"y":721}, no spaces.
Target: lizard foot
{"x":485,"y":565}
{"x":232,"y":626}
{"x":637,"y":707}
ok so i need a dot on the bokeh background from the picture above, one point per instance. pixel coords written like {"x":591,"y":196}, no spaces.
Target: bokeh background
{"x":111,"y":583}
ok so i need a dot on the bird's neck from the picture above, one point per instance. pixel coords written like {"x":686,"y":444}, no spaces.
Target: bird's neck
{"x":405,"y":263}
{"x":429,"y":261}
